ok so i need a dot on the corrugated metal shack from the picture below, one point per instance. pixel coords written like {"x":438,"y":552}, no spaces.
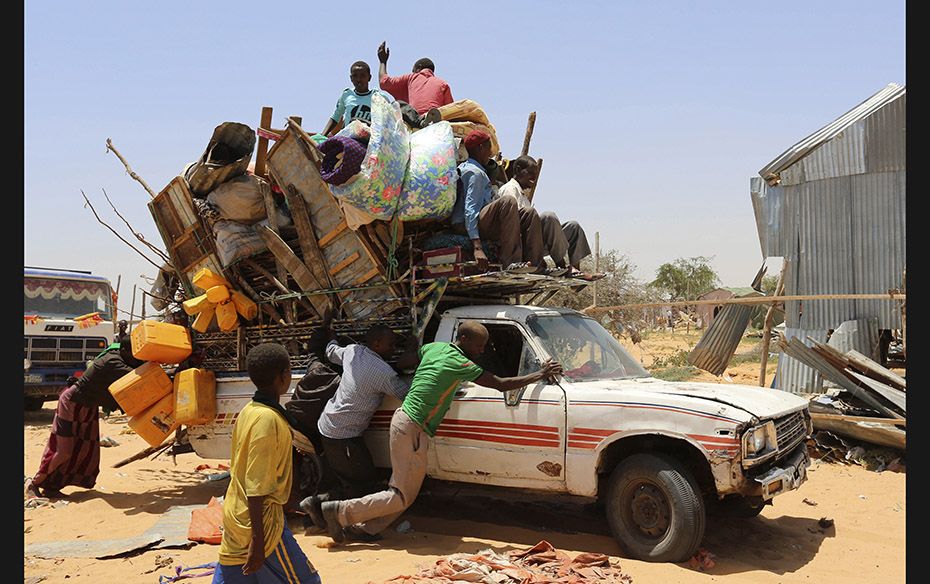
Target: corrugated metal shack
{"x":833,"y":205}
{"x":707,"y":313}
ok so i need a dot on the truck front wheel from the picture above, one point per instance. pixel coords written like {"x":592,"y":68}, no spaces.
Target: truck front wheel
{"x":654,"y":508}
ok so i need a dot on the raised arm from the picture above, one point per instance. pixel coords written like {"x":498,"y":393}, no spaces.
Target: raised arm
{"x":549,"y":370}
{"x":383,"y":54}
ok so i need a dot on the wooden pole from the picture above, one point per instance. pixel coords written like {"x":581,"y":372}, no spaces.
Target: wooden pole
{"x":143,"y":304}
{"x":262,"y":152}
{"x":129,"y":170}
{"x":767,"y":328}
{"x":597,"y":261}
{"x":756,"y":300}
{"x":132,"y":306}
{"x":530,"y":124}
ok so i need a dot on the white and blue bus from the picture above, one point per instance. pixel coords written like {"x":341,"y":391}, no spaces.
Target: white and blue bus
{"x":68,"y":319}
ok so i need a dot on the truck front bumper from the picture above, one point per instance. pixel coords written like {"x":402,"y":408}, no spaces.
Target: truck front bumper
{"x":785,"y":474}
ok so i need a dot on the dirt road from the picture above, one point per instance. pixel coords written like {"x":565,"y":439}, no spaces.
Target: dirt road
{"x":785,"y":544}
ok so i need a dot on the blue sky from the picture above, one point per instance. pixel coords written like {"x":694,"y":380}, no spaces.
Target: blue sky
{"x":651,"y":116}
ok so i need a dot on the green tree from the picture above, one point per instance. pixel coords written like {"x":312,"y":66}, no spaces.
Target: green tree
{"x":769,"y":283}
{"x":686,"y":279}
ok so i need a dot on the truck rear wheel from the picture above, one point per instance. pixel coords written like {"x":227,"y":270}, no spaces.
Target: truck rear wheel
{"x":32,"y":404}
{"x":654,"y":508}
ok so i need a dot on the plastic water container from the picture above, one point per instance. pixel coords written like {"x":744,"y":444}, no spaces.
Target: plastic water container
{"x":156,"y":422}
{"x":141,"y":387}
{"x":161,"y":342}
{"x":194,"y":396}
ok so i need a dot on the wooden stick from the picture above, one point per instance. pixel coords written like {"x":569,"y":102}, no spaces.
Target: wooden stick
{"x":251,"y":293}
{"x":102,"y":222}
{"x":757,"y":300}
{"x":112,"y":148}
{"x":767,"y":329}
{"x":143,"y":453}
{"x":262,"y":151}
{"x":530,"y":124}
{"x":888,"y":421}
{"x":138,"y":235}
{"x":132,"y":306}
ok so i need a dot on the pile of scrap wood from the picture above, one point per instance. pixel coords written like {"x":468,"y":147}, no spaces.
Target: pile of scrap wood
{"x":870,"y":405}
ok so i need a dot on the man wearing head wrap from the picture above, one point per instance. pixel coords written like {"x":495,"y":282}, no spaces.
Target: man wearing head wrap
{"x":477,"y":215}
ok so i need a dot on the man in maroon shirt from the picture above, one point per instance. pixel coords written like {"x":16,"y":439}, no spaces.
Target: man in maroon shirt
{"x":421,"y":89}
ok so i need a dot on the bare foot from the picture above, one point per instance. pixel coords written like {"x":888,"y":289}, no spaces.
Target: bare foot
{"x":30,"y":490}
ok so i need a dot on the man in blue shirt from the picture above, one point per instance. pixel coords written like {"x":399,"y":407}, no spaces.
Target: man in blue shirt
{"x":354,"y":103}
{"x":517,"y":230}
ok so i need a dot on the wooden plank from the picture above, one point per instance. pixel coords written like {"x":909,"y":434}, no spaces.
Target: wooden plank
{"x":869,"y":367}
{"x":344,"y":264}
{"x":866,"y":431}
{"x":755,"y":300}
{"x":262,"y":152}
{"x":304,"y":278}
{"x":329,"y":237}
{"x":888,"y":421}
{"x":530,"y":124}
{"x":313,"y":259}
{"x":367,"y":276}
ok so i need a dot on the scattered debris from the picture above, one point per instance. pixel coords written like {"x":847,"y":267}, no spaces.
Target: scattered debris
{"x":217,"y":477}
{"x":403,"y":527}
{"x":220,"y":466}
{"x":161,"y":561}
{"x":353,"y":560}
{"x":863,"y":497}
{"x":36,"y":502}
{"x":810,"y":502}
{"x":34,"y":579}
{"x":702,"y":560}
{"x":182,"y":573}
{"x":541,"y":563}
{"x":108,"y":441}
{"x":825,"y":523}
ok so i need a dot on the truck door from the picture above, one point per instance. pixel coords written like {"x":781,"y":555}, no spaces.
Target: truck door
{"x":505,"y":439}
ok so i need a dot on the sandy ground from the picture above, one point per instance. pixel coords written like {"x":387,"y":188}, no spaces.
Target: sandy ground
{"x":784,"y":544}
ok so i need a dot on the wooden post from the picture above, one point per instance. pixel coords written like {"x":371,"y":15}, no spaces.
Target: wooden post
{"x":262,"y":151}
{"x":530,"y":124}
{"x":597,"y":261}
{"x":143,"y":304}
{"x":132,"y":306}
{"x":767,"y":328}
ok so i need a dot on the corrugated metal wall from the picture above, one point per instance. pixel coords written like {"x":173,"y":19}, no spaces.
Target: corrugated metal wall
{"x":879,"y":256}
{"x":839,"y":223}
{"x":769,"y":209}
{"x":886,"y":132}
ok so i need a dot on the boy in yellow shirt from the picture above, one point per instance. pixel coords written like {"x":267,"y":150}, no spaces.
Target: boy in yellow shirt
{"x":257,"y":546}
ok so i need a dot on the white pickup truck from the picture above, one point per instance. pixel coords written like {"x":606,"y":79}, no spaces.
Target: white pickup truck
{"x":657,"y":453}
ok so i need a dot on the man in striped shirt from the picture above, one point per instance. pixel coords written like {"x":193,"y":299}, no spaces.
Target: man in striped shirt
{"x":366,"y":379}
{"x":443,"y":366}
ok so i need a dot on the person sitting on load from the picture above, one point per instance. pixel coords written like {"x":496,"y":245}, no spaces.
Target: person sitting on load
{"x":421,"y":89}
{"x":355,"y":102}
{"x":475,"y":214}
{"x":561,"y":240}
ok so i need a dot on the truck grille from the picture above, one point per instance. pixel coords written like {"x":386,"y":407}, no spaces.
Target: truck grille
{"x":69,"y":351}
{"x":789,"y":431}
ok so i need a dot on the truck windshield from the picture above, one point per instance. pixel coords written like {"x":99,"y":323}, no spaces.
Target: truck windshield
{"x":584,"y":348}
{"x":57,"y":298}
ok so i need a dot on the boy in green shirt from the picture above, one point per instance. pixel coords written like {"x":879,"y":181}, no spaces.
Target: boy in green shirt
{"x":442,"y":367}
{"x":257,"y":546}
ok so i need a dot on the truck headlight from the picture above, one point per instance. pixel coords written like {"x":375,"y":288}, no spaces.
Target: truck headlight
{"x":759,"y":443}
{"x":27,"y":364}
